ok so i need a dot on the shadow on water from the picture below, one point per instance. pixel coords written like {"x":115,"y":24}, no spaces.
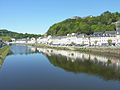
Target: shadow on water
{"x":107,"y":68}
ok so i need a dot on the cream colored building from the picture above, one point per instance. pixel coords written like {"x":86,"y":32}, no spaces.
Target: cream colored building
{"x":96,"y":39}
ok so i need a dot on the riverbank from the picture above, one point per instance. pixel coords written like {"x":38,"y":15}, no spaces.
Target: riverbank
{"x":3,"y":53}
{"x":106,"y":51}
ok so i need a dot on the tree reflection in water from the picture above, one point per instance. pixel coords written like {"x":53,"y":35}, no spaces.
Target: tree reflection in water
{"x":106,"y":68}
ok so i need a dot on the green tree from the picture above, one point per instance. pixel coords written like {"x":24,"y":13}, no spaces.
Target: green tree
{"x":96,"y":42}
{"x":86,"y":25}
{"x":109,"y":42}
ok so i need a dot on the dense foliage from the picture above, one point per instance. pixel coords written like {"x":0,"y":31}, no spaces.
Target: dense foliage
{"x":87,"y":25}
{"x":5,"y":38}
{"x":8,"y":34}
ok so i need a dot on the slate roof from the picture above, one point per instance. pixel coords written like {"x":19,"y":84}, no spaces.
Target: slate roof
{"x":98,"y":34}
{"x":104,"y":34}
{"x":110,"y":33}
{"x":58,"y":37}
{"x":80,"y":35}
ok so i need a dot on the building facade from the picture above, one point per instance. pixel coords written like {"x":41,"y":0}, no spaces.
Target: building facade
{"x":96,"y":39}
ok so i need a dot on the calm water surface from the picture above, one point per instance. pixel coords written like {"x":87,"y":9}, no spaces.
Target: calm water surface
{"x":29,"y":68}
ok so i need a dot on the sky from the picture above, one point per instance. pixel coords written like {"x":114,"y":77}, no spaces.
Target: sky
{"x":36,"y":16}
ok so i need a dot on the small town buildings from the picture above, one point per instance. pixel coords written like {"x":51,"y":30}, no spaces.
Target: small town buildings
{"x":21,"y":41}
{"x":31,"y":41}
{"x":96,"y":39}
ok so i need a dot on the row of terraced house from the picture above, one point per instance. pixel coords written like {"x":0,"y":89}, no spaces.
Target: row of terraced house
{"x":96,"y":39}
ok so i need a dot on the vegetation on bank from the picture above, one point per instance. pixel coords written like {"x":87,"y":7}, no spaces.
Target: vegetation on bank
{"x":5,"y":33}
{"x":87,"y":25}
{"x":6,"y":38}
{"x":3,"y":53}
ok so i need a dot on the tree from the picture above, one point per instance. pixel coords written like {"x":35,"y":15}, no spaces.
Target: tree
{"x":109,"y":42}
{"x":6,"y":33}
{"x":86,"y":25}
{"x":96,"y":42}
{"x":72,"y":43}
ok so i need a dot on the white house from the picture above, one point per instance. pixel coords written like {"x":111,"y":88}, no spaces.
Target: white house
{"x":31,"y":41}
{"x":97,"y":38}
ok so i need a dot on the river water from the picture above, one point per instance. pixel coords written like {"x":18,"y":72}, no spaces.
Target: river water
{"x":30,"y":68}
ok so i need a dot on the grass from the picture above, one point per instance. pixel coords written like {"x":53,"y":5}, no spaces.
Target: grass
{"x":6,"y":38}
{"x":3,"y":53}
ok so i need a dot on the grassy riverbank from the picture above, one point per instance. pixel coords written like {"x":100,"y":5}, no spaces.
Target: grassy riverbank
{"x":3,"y":52}
{"x":107,"y":51}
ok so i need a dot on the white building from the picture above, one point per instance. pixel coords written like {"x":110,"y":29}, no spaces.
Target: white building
{"x":31,"y":41}
{"x":97,"y":38}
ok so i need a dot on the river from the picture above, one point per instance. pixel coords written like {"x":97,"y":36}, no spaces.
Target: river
{"x":30,"y":68}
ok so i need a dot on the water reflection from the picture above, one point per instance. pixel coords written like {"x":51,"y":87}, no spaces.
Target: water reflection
{"x":76,"y":62}
{"x":31,"y":68}
{"x":105,"y":67}
{"x":22,"y":49}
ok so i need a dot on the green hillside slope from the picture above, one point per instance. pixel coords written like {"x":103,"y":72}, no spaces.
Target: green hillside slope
{"x":87,"y":25}
{"x":5,"y":34}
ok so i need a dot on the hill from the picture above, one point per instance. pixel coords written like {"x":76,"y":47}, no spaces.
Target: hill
{"x":5,"y":34}
{"x":86,"y":25}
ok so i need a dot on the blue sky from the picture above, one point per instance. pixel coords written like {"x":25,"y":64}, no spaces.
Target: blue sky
{"x":36,"y":16}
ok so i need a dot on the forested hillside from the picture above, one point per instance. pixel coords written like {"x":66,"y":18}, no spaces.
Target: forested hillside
{"x":87,"y":25}
{"x":8,"y":34}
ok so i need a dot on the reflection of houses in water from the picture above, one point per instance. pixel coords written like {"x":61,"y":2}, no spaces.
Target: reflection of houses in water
{"x":23,"y":49}
{"x":33,"y":49}
{"x":73,"y":55}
